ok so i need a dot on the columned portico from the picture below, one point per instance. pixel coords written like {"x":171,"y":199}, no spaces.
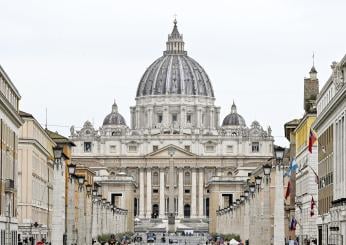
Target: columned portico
{"x":149,"y":190}
{"x":162,"y":193}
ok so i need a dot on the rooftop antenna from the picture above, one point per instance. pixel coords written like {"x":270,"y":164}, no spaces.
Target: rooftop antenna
{"x":46,"y":117}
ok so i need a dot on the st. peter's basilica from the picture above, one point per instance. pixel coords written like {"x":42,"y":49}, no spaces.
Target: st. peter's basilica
{"x":174,"y":130}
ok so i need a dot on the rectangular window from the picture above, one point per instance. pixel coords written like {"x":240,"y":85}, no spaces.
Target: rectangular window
{"x":132,"y":148}
{"x":159,"y":118}
{"x":174,"y":117}
{"x":155,"y":148}
{"x":230,"y":149}
{"x":112,"y":148}
{"x":209,"y":148}
{"x":187,"y":148}
{"x":188,"y":118}
{"x":255,"y":147}
{"x":187,"y":191}
{"x":155,"y":191}
{"x":87,"y":146}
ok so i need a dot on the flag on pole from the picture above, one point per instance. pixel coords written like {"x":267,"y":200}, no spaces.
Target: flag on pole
{"x":312,"y":139}
{"x":293,"y":167}
{"x":288,"y":190}
{"x":312,"y":205}
{"x":293,"y":224}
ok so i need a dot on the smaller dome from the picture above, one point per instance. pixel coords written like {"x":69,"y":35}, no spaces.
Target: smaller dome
{"x":114,"y":118}
{"x":234,"y":119}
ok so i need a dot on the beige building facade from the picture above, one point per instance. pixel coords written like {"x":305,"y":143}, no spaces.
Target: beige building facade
{"x":331,"y":129}
{"x":10,"y":123}
{"x":35,"y":180}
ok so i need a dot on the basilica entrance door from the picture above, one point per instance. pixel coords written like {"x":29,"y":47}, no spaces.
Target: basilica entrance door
{"x":187,"y":211}
{"x":155,"y":213}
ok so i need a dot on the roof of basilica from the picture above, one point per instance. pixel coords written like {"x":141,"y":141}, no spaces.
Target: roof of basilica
{"x":175,"y":72}
{"x":114,"y":118}
{"x":234,"y":119}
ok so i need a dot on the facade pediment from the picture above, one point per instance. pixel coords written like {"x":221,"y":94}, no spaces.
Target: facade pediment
{"x":166,"y":151}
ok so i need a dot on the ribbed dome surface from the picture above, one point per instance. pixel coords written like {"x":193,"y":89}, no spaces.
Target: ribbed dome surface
{"x":114,"y":118}
{"x":233,"y":119}
{"x":175,"y":72}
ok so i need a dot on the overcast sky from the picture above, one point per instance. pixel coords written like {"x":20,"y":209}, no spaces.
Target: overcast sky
{"x":76,"y":57}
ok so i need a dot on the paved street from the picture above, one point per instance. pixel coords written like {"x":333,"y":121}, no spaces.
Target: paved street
{"x":178,"y":239}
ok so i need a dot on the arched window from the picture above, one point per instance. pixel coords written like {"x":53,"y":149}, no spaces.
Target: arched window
{"x":155,"y":178}
{"x":187,"y":178}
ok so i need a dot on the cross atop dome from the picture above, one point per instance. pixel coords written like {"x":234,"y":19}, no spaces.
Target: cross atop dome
{"x":175,"y":43}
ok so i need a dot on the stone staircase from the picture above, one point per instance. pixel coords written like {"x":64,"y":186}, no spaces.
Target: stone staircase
{"x":160,"y":225}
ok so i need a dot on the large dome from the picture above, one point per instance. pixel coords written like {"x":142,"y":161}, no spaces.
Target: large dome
{"x":175,"y":72}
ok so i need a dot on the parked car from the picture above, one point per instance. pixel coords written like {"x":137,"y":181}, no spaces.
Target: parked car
{"x":150,"y":240}
{"x":151,"y":234}
{"x":172,"y":240}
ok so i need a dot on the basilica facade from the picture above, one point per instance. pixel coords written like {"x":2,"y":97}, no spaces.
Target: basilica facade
{"x":174,"y":121}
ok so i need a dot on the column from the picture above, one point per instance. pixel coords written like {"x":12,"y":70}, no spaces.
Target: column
{"x":88,"y":219}
{"x":81,"y":216}
{"x":162,"y":193}
{"x":212,"y":119}
{"x":200,"y":192}
{"x":137,"y":118}
{"x":58,"y":212}
{"x":193,"y":194}
{"x":150,"y":117}
{"x":149,"y":189}
{"x":165,"y":116}
{"x":141,"y":193}
{"x":180,"y":194}
{"x":70,"y":213}
{"x":266,"y":211}
{"x":199,"y":117}
{"x":279,"y":223}
{"x":182,"y":116}
{"x":94,"y":219}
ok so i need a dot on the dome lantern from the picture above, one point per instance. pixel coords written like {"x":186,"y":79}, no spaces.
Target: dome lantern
{"x":175,"y":43}
{"x":233,"y":108}
{"x":114,"y":107}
